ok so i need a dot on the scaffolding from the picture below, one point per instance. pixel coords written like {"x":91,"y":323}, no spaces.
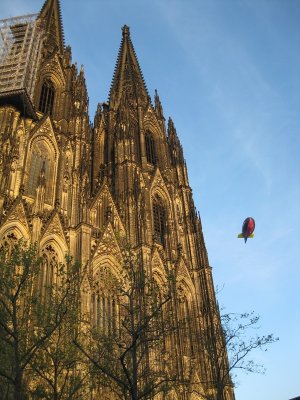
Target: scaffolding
{"x":21,"y":40}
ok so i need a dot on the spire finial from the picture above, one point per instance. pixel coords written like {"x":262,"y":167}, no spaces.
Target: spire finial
{"x":128,"y":84}
{"x":51,"y":15}
{"x":126,"y":30}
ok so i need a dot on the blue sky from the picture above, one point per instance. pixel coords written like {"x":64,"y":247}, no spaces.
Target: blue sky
{"x":227,"y":72}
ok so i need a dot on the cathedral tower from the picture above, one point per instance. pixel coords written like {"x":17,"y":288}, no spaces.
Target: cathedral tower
{"x":76,"y":188}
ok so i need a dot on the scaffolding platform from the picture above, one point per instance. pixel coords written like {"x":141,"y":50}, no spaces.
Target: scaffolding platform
{"x":21,"y":40}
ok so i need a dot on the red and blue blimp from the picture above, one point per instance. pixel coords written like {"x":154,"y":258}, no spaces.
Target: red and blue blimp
{"x":247,"y":229}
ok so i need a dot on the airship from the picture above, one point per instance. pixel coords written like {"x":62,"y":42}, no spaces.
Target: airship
{"x":247,"y":229}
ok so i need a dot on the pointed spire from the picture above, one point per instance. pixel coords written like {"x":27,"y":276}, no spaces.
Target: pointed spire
{"x":51,"y":15}
{"x":158,"y":106}
{"x":171,"y":129}
{"x":81,"y":73}
{"x":80,"y":92}
{"x":68,"y":56}
{"x":128,"y":83}
{"x":174,"y":143}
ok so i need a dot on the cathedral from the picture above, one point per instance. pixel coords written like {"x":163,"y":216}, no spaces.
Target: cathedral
{"x":79,"y":188}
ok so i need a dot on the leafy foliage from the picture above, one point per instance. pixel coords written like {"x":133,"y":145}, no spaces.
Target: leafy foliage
{"x":34,"y":333}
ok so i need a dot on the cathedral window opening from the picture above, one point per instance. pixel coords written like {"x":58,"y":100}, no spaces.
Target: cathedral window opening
{"x":104,"y":312}
{"x":150,"y":148}
{"x":104,"y":302}
{"x":38,"y":161}
{"x":49,"y":269}
{"x":159,"y":220}
{"x":41,"y":160}
{"x":47,"y":97}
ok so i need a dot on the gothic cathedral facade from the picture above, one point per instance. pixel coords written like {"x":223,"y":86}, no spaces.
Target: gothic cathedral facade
{"x":76,"y":188}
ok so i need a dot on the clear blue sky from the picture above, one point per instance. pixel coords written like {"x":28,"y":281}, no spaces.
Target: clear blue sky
{"x":228,"y":73}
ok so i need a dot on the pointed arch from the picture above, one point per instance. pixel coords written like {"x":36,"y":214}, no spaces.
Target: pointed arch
{"x":159,"y":219}
{"x":16,"y":229}
{"x":150,"y":145}
{"x":47,"y":95}
{"x":150,"y":123}
{"x":42,"y":152}
{"x":49,"y":269}
{"x":49,"y":92}
{"x":159,"y":277}
{"x":158,"y":270}
{"x":102,"y":209}
{"x":161,"y":207}
{"x":52,"y":251}
{"x":11,"y":234}
{"x":159,"y":187}
{"x":40,"y":157}
{"x":54,"y":235}
{"x":183,"y":279}
{"x":104,"y":302}
{"x":106,"y":260}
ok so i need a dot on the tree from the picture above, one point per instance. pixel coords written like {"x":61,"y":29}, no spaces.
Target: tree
{"x":230,"y":345}
{"x":240,"y":344}
{"x":55,"y":366}
{"x":129,"y":352}
{"x":27,"y":322}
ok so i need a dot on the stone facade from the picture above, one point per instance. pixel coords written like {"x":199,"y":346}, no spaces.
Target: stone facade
{"x":76,"y":188}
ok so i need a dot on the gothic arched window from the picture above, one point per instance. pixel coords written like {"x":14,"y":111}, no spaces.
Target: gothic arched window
{"x":104,"y":312}
{"x":41,"y":157}
{"x":48,"y":272}
{"x":159,"y":220}
{"x":150,"y":148}
{"x":38,"y":161}
{"x":104,"y":302}
{"x":47,"y":97}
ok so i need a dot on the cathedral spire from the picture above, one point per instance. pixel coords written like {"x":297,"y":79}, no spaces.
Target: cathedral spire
{"x":174,"y":144}
{"x":51,"y":15}
{"x":158,"y":106}
{"x":128,"y":83}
